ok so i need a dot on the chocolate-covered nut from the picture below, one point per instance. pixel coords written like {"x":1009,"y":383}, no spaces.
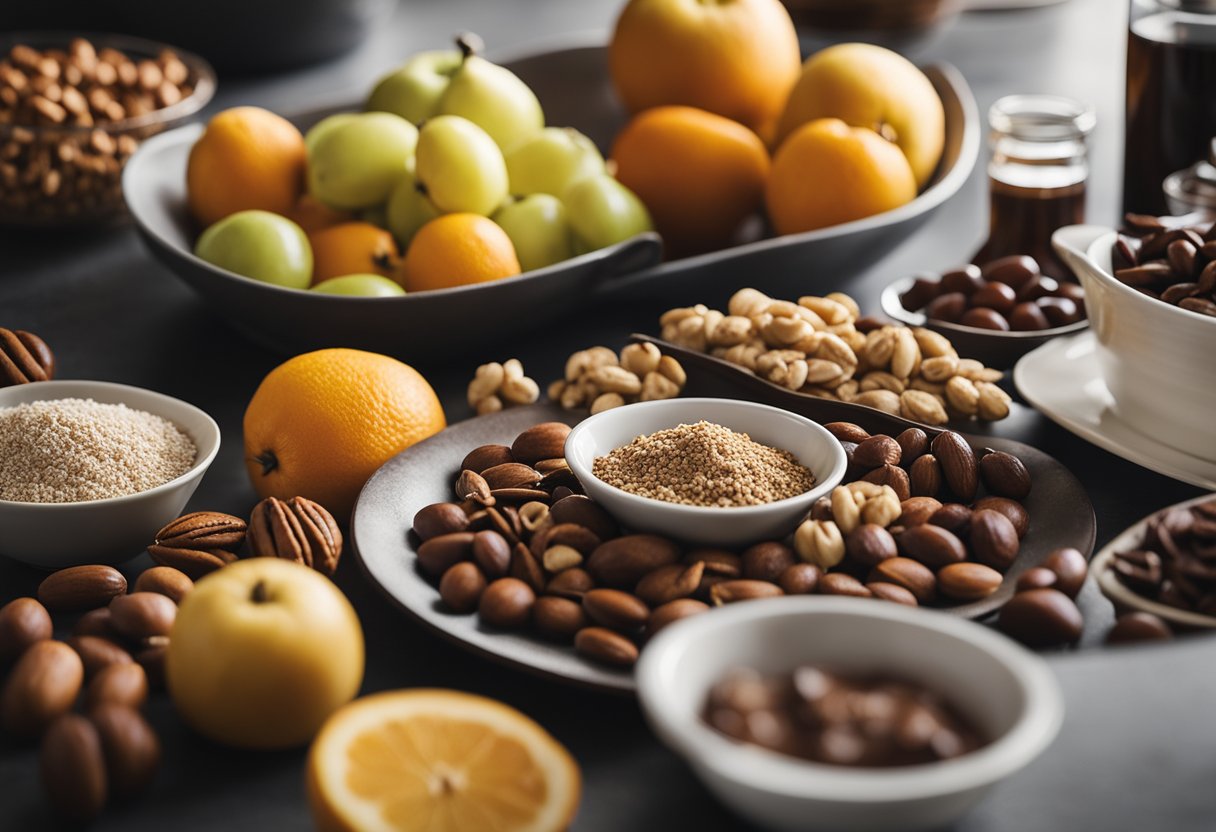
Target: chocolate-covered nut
{"x":925,"y":476}
{"x":1027,"y":317}
{"x":1059,"y":311}
{"x":968,"y":581}
{"x":461,"y":586}
{"x":913,"y":442}
{"x":916,"y":511}
{"x":869,"y":544}
{"x":894,"y":593}
{"x":1015,"y":270}
{"x":954,"y":517}
{"x":767,"y":560}
{"x":981,"y":317}
{"x":1036,"y":578}
{"x":506,"y":603}
{"x":1139,"y":626}
{"x":912,"y":575}
{"x":1074,"y":292}
{"x":1070,"y":567}
{"x":966,"y":280}
{"x":994,"y":541}
{"x":997,"y":296}
{"x":932,"y":545}
{"x":671,"y":612}
{"x":877,"y":451}
{"x":1015,"y":511}
{"x":842,"y":583}
{"x":1041,"y":618}
{"x":1004,"y":475}
{"x":1033,"y":289}
{"x":439,"y":518}
{"x":800,"y":579}
{"x":924,"y":288}
{"x":948,"y":307}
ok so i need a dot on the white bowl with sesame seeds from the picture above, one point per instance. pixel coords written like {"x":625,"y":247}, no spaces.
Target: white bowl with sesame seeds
{"x":721,"y":526}
{"x":137,"y":476}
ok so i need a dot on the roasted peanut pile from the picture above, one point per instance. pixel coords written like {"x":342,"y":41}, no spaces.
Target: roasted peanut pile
{"x":495,"y":386}
{"x":704,"y":465}
{"x":598,"y":379}
{"x":822,"y":346}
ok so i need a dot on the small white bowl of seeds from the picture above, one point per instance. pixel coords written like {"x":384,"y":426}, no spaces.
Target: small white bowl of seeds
{"x":90,"y":470}
{"x":712,"y":472}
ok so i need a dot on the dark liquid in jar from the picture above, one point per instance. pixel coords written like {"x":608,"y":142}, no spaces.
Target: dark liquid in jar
{"x":1021,"y":221}
{"x":1171,"y":104}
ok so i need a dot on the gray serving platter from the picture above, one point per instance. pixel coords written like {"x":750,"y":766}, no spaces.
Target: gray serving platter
{"x":1061,"y":515}
{"x":574,"y":88}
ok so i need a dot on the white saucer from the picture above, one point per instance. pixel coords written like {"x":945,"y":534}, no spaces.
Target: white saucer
{"x":1061,"y":379}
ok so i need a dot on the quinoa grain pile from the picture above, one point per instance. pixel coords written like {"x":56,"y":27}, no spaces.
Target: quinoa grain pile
{"x":72,"y":450}
{"x":704,"y":465}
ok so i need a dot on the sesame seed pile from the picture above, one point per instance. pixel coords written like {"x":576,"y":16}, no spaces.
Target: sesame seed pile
{"x":704,"y":465}
{"x":72,"y":450}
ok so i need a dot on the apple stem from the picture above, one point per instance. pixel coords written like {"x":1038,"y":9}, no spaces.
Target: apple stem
{"x":258,"y":594}
{"x":268,"y":461}
{"x":469,"y":45}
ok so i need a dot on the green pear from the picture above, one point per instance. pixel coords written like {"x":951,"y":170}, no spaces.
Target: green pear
{"x":408,"y":209}
{"x":492,"y":97}
{"x":413,"y":90}
{"x":539,"y":229}
{"x":551,"y":161}
{"x":459,"y":167}
{"x":357,"y":162}
{"x":604,"y":212}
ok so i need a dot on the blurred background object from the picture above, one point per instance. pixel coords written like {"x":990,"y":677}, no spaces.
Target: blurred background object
{"x":903,"y":25}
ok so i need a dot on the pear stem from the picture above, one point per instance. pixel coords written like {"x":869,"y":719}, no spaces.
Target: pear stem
{"x":469,"y":45}
{"x":258,"y":595}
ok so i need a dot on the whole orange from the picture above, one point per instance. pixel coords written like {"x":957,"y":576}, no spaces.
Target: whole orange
{"x":313,"y":215}
{"x":321,"y":423}
{"x":827,"y":173}
{"x":353,"y":248}
{"x":457,"y":250}
{"x":246,"y":158}
{"x":736,"y":58}
{"x":699,"y":174}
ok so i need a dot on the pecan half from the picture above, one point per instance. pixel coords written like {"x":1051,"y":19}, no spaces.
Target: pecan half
{"x":24,"y":357}
{"x":296,"y":529}
{"x":199,"y":543}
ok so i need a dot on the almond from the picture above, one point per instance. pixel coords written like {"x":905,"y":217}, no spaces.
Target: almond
{"x":994,"y":541}
{"x":615,"y":609}
{"x":624,"y":561}
{"x":603,"y":645}
{"x":911,"y":575}
{"x":121,"y":684}
{"x":73,"y":769}
{"x":958,"y":464}
{"x":510,"y":475}
{"x":968,"y":581}
{"x":142,"y":614}
{"x":23,"y":622}
{"x":544,"y":441}
{"x":1005,"y":475}
{"x":486,"y":456}
{"x":97,"y":653}
{"x":81,"y":588}
{"x":130,"y":748}
{"x":42,"y":686}
{"x":172,"y":583}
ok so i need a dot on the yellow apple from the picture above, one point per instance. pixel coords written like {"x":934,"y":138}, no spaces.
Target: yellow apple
{"x":868,"y":86}
{"x":262,"y":652}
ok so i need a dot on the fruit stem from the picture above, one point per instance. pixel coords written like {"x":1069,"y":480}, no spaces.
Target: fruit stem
{"x":469,"y":45}
{"x":887,"y":132}
{"x":268,"y":461}
{"x":259,"y":594}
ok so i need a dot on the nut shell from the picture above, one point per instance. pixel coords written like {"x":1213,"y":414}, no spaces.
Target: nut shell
{"x":24,"y":358}
{"x":199,"y":543}
{"x":297,"y":529}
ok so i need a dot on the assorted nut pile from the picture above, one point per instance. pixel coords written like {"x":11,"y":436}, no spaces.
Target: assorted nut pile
{"x":1175,"y":265}
{"x":1011,"y":293}
{"x":822,"y":346}
{"x":495,"y":386}
{"x":62,"y":138}
{"x":599,"y":379}
{"x":704,"y":465}
{"x":24,"y":358}
{"x":840,"y":719}
{"x":1175,"y":561}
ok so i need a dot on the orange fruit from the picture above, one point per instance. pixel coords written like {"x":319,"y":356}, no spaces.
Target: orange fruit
{"x":699,"y":174}
{"x":457,"y":250}
{"x":313,"y":215}
{"x":736,"y":58}
{"x":428,"y":760}
{"x":246,"y":158}
{"x":827,"y":173}
{"x":352,"y":248}
{"x":321,"y":423}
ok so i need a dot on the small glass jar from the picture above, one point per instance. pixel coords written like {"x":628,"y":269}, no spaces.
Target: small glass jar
{"x":1037,"y":176}
{"x":1192,"y":191}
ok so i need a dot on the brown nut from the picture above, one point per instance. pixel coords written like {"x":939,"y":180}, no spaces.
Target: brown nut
{"x":506,"y":604}
{"x":297,"y":529}
{"x":42,"y":686}
{"x":439,"y":518}
{"x":558,"y":618}
{"x":953,"y":517}
{"x":527,"y":568}
{"x":848,"y":432}
{"x":130,"y":747}
{"x":461,"y":586}
{"x":605,"y":646}
{"x":1036,"y":578}
{"x":931,"y":545}
{"x":671,"y":612}
{"x":916,"y":511}
{"x":800,"y":579}
{"x":1139,"y":626}
{"x":893,"y":476}
{"x":491,"y":552}
{"x":1004,"y":475}
{"x":510,"y":475}
{"x":95,"y":623}
{"x":968,"y":581}
{"x":1070,"y":566}
{"x":913,"y":443}
{"x":570,"y":583}
{"x":437,"y":555}
{"x":73,"y":769}
{"x":81,"y":588}
{"x":868,"y":544}
{"x":615,"y":609}
{"x":994,"y":541}
{"x":841,"y":583}
{"x":199,"y":543}
{"x":925,"y":476}
{"x":741,"y":589}
{"x":472,"y":487}
{"x":23,"y":621}
{"x":142,"y":614}
{"x":717,"y":562}
{"x":97,"y":653}
{"x":877,"y":451}
{"x":24,"y":358}
{"x":623,"y":561}
{"x":912,"y":575}
{"x":667,"y":583}
{"x":544,"y":441}
{"x":119,"y":684}
{"x":152,"y":659}
{"x":483,"y":457}
{"x":767,"y":560}
{"x":582,"y":511}
{"x":959,"y":468}
{"x":1012,"y":509}
{"x":576,"y":537}
{"x":1041,"y":618}
{"x":174,"y":584}
{"x":894,"y":593}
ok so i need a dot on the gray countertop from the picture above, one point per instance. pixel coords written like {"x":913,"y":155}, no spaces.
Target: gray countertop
{"x":1137,"y":751}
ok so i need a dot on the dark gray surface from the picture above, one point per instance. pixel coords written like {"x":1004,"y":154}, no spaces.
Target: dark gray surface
{"x":1136,"y":752}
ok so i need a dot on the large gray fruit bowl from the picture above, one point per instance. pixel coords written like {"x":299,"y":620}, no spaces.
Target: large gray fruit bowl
{"x":575,"y":90}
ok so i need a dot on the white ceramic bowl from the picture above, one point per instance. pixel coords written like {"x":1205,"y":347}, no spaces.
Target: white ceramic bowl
{"x":808,"y":441}
{"x":1009,"y":693}
{"x":55,"y":535}
{"x":1155,"y":358}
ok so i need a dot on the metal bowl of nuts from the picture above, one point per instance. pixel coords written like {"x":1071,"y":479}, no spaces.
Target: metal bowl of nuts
{"x":73,"y":109}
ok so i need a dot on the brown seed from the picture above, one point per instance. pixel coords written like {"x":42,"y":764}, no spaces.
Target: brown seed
{"x":439,"y":519}
{"x":142,"y":614}
{"x":95,"y":623}
{"x":23,"y":621}
{"x":130,"y":747}
{"x":510,"y":475}
{"x":893,"y":476}
{"x":959,"y":468}
{"x":1036,"y":578}
{"x":868,"y":544}
{"x":877,"y":451}
{"x":42,"y":685}
{"x":1012,"y":509}
{"x":605,"y":646}
{"x":729,"y":592}
{"x":912,"y":575}
{"x":526,"y":567}
{"x":672,"y":612}
{"x":572,"y":535}
{"x":544,"y":441}
{"x":98,"y":653}
{"x":120,"y":684}
{"x":1139,"y":626}
{"x":582,"y":511}
{"x":913,"y":443}
{"x":667,"y":583}
{"x":800,"y":579}
{"x":916,"y":511}
{"x":1004,"y":475}
{"x":1070,"y":567}
{"x":437,"y":555}
{"x":558,"y":618}
{"x":847,"y":432}
{"x":717,"y":562}
{"x":767,"y":560}
{"x":492,"y":553}
{"x":570,"y":583}
{"x":933,"y":546}
{"x":953,"y":517}
{"x":925,"y":476}
{"x":1041,"y":618}
{"x":994,"y":541}
{"x":470,"y":485}
{"x":174,"y":584}
{"x":461,"y":586}
{"x":486,"y":456}
{"x":506,"y":603}
{"x":73,"y":769}
{"x":842,"y":583}
{"x":968,"y":581}
{"x":894,"y":593}
{"x":615,"y":609}
{"x":81,"y":588}
{"x":623,"y":561}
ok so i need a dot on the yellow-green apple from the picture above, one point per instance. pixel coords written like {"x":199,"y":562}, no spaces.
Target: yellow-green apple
{"x":356,"y":162}
{"x":552,"y":161}
{"x":539,"y":229}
